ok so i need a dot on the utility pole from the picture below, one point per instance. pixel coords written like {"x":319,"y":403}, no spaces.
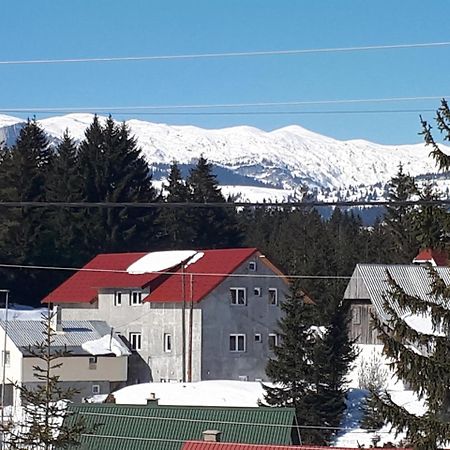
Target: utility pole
{"x":6,"y":292}
{"x":191,"y":319}
{"x":183,"y":325}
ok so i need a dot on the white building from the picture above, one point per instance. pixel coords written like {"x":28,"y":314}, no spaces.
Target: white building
{"x":96,"y":362}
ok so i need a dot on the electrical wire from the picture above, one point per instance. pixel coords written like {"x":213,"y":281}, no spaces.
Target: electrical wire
{"x":223,"y":105}
{"x":223,"y":422}
{"x":251,"y":113}
{"x":169,"y":205}
{"x":227,"y":54}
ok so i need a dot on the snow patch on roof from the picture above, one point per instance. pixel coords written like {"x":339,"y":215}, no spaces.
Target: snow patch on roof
{"x":105,"y":346}
{"x":194,"y":259}
{"x":158,"y":261}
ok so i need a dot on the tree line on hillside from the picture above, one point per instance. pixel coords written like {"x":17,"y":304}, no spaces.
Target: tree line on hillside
{"x":107,"y":166}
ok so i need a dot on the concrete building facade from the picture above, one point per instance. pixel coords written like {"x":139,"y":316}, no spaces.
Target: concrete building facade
{"x":210,"y":315}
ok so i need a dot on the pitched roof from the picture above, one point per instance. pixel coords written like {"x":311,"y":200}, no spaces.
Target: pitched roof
{"x":24,"y":333}
{"x":413,"y":279}
{"x":201,"y":445}
{"x":110,"y":271}
{"x":435,"y":257}
{"x":210,"y":271}
{"x":169,"y":427}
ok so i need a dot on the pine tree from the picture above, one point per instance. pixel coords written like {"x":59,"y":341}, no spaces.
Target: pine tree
{"x":292,"y":367}
{"x":421,"y":359}
{"x":213,"y":227}
{"x":42,"y":426}
{"x":65,"y":184}
{"x":398,"y":219}
{"x":25,"y":236}
{"x":115,"y":171}
{"x":176,"y":223}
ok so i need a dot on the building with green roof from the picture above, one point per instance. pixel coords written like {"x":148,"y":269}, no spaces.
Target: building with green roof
{"x":153,"y":427}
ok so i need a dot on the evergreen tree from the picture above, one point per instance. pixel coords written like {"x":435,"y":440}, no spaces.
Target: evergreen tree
{"x":42,"y":426}
{"x":115,"y":171}
{"x":65,"y":184}
{"x":25,"y":236}
{"x":176,"y":223}
{"x":292,"y":367}
{"x":421,"y":359}
{"x":214,"y":227}
{"x":398,"y":219}
{"x":430,"y":221}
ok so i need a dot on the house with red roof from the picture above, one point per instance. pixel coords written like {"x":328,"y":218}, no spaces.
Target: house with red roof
{"x":186,"y":315}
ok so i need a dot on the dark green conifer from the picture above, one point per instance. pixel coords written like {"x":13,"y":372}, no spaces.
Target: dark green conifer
{"x":114,"y":171}
{"x":213,"y":227}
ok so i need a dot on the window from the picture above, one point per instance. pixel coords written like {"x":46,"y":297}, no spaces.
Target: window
{"x":92,"y":362}
{"x":238,"y":296}
{"x":118,"y":299}
{"x":136,"y":298}
{"x":237,"y":342}
{"x":357,"y":315}
{"x":273,"y":340}
{"x":167,"y":342}
{"x":135,"y":340}
{"x":273,"y":296}
{"x":257,"y":291}
{"x":258,"y":337}
{"x":6,"y":358}
{"x":252,"y":266}
{"x":96,"y":389}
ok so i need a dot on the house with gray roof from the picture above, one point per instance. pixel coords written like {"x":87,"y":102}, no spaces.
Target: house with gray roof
{"x":96,"y":361}
{"x":367,"y":290}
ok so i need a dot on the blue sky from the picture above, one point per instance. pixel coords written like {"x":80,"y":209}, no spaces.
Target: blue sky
{"x":102,"y":28}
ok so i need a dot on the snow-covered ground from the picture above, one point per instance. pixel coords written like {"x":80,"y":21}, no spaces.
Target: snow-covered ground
{"x":20,"y":312}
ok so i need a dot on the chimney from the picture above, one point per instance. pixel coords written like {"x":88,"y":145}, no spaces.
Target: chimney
{"x":152,"y":400}
{"x":211,"y":435}
{"x":55,"y":319}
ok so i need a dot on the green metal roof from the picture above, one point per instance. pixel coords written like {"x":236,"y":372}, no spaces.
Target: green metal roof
{"x":168,"y":427}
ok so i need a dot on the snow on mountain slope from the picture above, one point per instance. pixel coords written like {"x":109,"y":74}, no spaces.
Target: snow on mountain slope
{"x":284,"y":158}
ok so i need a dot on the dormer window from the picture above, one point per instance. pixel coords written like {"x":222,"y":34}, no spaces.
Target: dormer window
{"x":136,"y":298}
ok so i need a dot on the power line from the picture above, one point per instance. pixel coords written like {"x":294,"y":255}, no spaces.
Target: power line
{"x":223,"y":422}
{"x":250,"y":113}
{"x":196,"y":274}
{"x":165,"y":205}
{"x":227,"y":54}
{"x":223,"y":105}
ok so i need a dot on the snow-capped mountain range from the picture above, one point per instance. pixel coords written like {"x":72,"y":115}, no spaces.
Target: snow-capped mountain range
{"x":254,"y":164}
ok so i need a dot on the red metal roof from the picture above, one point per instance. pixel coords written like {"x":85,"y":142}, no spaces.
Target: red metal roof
{"x":99,"y":273}
{"x":201,"y":445}
{"x":207,"y":273}
{"x":83,"y":286}
{"x":439,"y":257}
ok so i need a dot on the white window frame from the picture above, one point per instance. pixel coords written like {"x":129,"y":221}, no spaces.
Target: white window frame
{"x":168,"y":344}
{"x":275,"y":340}
{"x":258,"y":337}
{"x":135,"y":301}
{"x":257,"y":291}
{"x":118,"y":297}
{"x":135,"y":340}
{"x":234,"y":296}
{"x":96,"y":389}
{"x":273,"y":300}
{"x":252,"y":267}
{"x":234,"y":343}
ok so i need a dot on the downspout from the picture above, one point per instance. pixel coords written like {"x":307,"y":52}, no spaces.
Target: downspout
{"x":191,"y":318}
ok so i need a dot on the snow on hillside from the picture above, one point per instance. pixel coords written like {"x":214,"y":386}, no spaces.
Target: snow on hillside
{"x":283,"y":158}
{"x":18,"y":312}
